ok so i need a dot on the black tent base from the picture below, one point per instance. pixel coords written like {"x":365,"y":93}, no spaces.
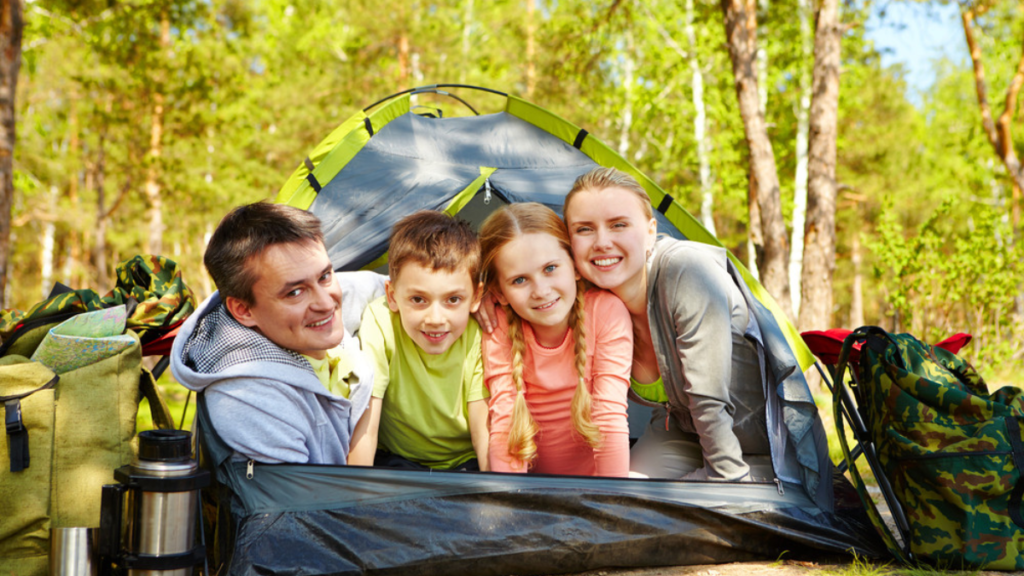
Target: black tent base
{"x":543,"y":525}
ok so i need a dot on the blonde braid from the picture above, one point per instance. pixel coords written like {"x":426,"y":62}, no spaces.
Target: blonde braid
{"x":521,"y":434}
{"x":581,"y":399}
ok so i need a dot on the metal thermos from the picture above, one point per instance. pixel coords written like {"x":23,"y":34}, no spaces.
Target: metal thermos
{"x":71,"y":552}
{"x":149,"y":519}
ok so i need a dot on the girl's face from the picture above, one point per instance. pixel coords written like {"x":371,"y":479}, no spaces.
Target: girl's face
{"x":611,"y":236}
{"x":535,"y":276}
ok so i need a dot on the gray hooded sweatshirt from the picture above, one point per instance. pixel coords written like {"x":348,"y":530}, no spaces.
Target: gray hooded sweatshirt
{"x":264,"y":401}
{"x":704,"y":339}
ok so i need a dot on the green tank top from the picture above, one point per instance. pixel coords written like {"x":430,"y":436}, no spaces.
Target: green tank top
{"x":653,"y":392}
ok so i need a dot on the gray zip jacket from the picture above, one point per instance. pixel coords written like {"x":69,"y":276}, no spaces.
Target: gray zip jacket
{"x":266,"y":402}
{"x":704,"y":338}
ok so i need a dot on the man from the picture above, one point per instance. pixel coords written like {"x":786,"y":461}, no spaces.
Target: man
{"x":269,"y":351}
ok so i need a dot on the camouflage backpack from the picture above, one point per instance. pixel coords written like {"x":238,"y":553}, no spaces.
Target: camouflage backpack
{"x":952,"y":453}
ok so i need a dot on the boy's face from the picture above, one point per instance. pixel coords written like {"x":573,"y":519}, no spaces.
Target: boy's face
{"x":434,"y":305}
{"x":296,"y":299}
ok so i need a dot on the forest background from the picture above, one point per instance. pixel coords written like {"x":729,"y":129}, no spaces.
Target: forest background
{"x":141,"y":123}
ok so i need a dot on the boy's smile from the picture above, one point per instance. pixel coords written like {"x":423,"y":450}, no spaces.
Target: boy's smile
{"x":434,"y":305}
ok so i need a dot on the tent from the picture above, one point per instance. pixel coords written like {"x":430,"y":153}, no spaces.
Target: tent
{"x":395,"y":158}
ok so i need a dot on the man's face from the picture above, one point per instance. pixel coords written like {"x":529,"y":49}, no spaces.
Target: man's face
{"x":434,"y":305}
{"x":296,"y":299}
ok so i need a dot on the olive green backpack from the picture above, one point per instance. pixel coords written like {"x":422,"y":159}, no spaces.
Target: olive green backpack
{"x":952,"y":455}
{"x":65,"y":435}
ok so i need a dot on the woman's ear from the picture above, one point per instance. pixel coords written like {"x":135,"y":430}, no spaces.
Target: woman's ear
{"x":652,"y":234}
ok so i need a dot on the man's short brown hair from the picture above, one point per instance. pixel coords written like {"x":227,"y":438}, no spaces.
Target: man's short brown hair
{"x":245,"y":233}
{"x":434,"y":240}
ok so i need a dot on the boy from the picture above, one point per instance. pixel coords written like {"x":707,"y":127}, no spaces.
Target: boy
{"x":429,"y":407}
{"x":264,"y":349}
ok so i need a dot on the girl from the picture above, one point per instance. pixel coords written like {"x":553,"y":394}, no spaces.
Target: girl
{"x":557,"y":363}
{"x":692,"y":355}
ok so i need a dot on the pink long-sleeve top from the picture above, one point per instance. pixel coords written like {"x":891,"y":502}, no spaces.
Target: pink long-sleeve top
{"x":550,"y":378}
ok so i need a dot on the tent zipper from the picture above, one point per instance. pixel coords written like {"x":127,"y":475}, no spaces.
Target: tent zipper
{"x":249,"y":468}
{"x":487,"y":191}
{"x":778,"y":484}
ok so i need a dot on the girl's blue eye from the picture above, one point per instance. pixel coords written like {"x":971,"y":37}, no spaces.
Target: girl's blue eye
{"x":519,"y":280}
{"x":550,"y":268}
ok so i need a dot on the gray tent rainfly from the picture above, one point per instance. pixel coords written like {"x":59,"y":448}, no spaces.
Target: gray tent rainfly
{"x":389,"y":161}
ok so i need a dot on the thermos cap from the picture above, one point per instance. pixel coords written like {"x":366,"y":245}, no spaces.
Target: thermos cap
{"x":165,"y":445}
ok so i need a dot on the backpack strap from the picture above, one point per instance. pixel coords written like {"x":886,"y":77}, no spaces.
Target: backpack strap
{"x":157,"y":407}
{"x":843,"y":407}
{"x":1013,"y":431}
{"x":17,"y":433}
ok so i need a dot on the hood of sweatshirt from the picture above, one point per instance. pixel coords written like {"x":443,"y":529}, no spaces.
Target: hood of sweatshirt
{"x":212,"y":345}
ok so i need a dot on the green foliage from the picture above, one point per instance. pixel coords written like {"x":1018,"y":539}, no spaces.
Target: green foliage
{"x":959,"y":271}
{"x":248,"y":88}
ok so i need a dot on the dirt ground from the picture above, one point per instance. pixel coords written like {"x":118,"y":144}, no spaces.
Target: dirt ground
{"x":774,"y":568}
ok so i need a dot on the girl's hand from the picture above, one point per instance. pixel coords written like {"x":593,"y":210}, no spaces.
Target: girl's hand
{"x":485,"y":314}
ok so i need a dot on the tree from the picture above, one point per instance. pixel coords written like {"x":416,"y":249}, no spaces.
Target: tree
{"x":11,"y":25}
{"x":741,"y":37}
{"x":819,"y":260}
{"x":1000,"y":131}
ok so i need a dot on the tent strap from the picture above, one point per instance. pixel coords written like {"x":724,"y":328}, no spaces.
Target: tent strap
{"x":310,"y":177}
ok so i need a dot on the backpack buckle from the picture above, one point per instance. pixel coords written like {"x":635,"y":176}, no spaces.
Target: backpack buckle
{"x":17,"y":435}
{"x":12,"y":416}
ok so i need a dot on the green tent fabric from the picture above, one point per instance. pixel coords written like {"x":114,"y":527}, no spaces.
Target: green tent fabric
{"x":382,"y":165}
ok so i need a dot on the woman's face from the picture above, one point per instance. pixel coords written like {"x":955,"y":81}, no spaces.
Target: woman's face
{"x":611,"y":236}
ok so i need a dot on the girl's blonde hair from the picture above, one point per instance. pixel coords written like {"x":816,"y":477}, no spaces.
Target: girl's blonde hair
{"x":602,"y":178}
{"x":499,"y":229}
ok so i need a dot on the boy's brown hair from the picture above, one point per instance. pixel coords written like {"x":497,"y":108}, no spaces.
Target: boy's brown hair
{"x":434,"y":240}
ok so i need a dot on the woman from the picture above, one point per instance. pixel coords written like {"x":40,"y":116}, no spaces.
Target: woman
{"x":691,"y":356}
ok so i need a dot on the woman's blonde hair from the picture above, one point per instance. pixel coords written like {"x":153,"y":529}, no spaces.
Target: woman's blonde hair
{"x":499,"y":229}
{"x":602,"y":178}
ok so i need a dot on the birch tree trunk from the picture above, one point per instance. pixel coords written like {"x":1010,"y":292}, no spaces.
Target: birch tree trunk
{"x":531,"y":56}
{"x":741,"y":37}
{"x":71,"y":263}
{"x":820,"y":231}
{"x":857,"y":298}
{"x":628,"y":66}
{"x":467,"y":34}
{"x":154,"y":243}
{"x":796,"y":245}
{"x":46,"y":245}
{"x":11,"y":24}
{"x":99,"y":247}
{"x":707,"y":216}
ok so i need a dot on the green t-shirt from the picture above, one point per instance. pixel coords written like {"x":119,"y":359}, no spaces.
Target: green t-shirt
{"x":334,"y":371}
{"x":424,"y":416}
{"x":653,"y":392}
